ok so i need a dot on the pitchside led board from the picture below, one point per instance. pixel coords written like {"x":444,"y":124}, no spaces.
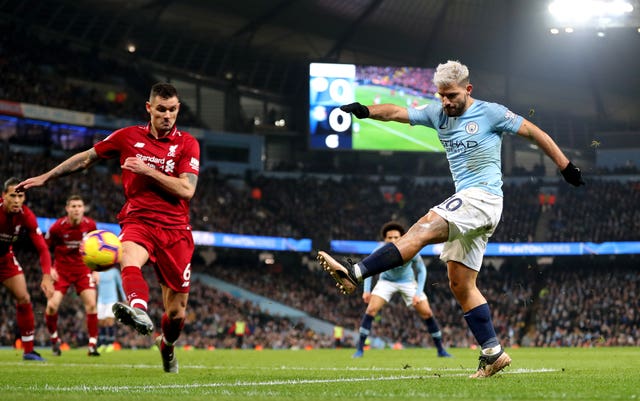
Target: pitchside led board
{"x":333,"y":85}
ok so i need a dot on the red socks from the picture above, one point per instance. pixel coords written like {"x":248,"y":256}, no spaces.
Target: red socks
{"x":92,"y":326}
{"x":171,"y":328}
{"x":135,"y":287}
{"x":52,"y":324}
{"x":26,"y":324}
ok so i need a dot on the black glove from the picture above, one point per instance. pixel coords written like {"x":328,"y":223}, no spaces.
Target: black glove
{"x":357,"y":109}
{"x":572,"y":175}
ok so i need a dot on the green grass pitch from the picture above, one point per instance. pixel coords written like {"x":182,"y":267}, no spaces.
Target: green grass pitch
{"x":390,"y":375}
{"x":377,"y":135}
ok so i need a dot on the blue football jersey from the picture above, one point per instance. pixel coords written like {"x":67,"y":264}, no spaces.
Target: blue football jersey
{"x":110,"y":286}
{"x":472,"y":141}
{"x":413,"y":270}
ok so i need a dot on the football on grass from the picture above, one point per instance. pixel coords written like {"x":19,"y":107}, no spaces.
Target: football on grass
{"x":100,"y":250}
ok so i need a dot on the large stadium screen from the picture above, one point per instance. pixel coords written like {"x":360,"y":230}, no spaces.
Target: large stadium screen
{"x":332,"y":85}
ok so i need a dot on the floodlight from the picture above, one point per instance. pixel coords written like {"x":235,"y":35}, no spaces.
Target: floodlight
{"x":595,"y":13}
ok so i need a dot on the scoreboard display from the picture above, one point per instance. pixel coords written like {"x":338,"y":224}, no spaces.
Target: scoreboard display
{"x":332,"y":85}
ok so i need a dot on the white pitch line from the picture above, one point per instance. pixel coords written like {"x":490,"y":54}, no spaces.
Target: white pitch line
{"x":400,"y":134}
{"x":272,"y":368}
{"x":151,"y":387}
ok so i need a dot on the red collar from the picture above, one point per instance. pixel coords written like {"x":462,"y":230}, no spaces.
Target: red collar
{"x":169,"y":137}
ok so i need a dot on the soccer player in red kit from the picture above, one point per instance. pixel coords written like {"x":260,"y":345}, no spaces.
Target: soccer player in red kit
{"x":160,"y":166}
{"x":64,"y":237}
{"x":14,"y":218}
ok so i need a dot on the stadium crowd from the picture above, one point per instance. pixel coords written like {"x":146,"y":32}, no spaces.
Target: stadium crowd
{"x":586,"y":301}
{"x":57,"y":74}
{"x":416,"y":80}
{"x":573,"y":302}
{"x":229,"y":204}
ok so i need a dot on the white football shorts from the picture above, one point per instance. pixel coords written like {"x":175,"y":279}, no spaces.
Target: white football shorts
{"x":473,"y":215}
{"x":385,"y":290}
{"x":105,"y":311}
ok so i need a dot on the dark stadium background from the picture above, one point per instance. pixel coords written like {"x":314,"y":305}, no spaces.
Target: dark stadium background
{"x":241,"y":67}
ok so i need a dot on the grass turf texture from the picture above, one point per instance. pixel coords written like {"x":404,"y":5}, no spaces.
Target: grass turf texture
{"x":409,"y":374}
{"x":379,"y":135}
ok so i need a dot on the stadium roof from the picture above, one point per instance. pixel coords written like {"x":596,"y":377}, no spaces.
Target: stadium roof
{"x":265,"y":44}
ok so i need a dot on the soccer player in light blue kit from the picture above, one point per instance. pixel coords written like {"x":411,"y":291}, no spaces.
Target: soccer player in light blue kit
{"x":404,"y":280}
{"x":471,"y":132}
{"x":109,"y":289}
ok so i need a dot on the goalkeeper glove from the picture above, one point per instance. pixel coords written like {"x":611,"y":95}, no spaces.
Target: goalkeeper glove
{"x":572,"y":175}
{"x":357,"y":109}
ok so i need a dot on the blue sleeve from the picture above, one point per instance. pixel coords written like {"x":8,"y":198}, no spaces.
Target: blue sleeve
{"x":503,"y":119}
{"x":367,"y":284}
{"x":421,"y":270}
{"x":424,"y":115}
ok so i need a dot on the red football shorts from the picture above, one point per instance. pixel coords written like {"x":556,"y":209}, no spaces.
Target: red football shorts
{"x":170,"y":251}
{"x":9,"y":267}
{"x":79,"y":276}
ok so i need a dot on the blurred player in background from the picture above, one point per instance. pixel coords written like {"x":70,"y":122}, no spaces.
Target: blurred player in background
{"x":240,"y":329}
{"x":471,"y":132}
{"x":160,"y":166}
{"x":64,"y":238}
{"x":110,"y":291}
{"x":401,"y":279}
{"x":15,"y":217}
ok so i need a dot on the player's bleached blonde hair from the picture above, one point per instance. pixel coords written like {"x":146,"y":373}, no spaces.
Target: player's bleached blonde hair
{"x":451,"y":73}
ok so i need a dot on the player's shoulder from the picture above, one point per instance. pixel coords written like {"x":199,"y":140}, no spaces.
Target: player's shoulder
{"x":185,"y":136}
{"x":59,"y":222}
{"x":27,"y":216}
{"x":27,"y":212}
{"x":125,"y":134}
{"x":88,"y":222}
{"x":491,"y":107}
{"x":430,"y":109}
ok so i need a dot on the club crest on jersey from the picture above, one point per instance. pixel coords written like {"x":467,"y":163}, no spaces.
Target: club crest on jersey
{"x":172,"y":151}
{"x":471,"y":127}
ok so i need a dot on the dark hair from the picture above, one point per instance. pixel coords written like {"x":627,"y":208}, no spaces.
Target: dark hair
{"x":74,"y":198}
{"x":11,"y":182}
{"x":391,"y":226}
{"x":164,"y":90}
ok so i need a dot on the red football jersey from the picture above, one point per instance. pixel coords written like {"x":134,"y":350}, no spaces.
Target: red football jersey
{"x":174,"y":154}
{"x":65,"y":239}
{"x":10,"y":226}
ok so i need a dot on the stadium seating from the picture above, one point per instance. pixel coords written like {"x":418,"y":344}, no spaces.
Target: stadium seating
{"x":582,"y":301}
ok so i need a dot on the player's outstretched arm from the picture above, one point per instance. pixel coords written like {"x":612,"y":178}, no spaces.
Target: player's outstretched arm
{"x":77,"y":162}
{"x":382,"y":112}
{"x":570,"y":172}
